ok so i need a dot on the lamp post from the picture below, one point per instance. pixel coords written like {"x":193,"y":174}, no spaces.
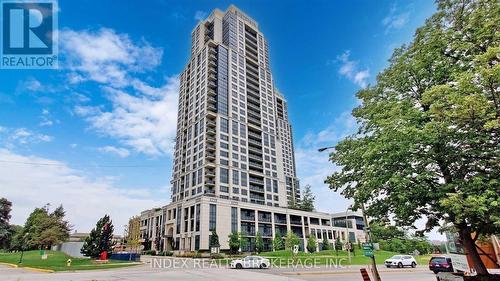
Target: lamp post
{"x":22,"y":247}
{"x":376,"y":275}
{"x":325,"y":148}
{"x":348,"y":243}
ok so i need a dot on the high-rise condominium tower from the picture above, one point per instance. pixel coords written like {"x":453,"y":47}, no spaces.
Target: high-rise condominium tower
{"x":234,"y":167}
{"x":234,"y":139}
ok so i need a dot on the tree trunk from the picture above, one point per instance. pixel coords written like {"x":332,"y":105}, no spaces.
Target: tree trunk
{"x":471,"y":251}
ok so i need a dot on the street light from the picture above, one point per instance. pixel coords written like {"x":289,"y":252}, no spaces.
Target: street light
{"x":367,"y":231}
{"x":22,"y":246}
{"x":348,"y":243}
{"x":376,"y":275}
{"x":325,"y":148}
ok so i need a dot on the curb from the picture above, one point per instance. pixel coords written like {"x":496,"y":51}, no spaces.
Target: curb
{"x":39,"y":269}
{"x":9,"y":264}
{"x":334,"y":272}
{"x":27,"y":267}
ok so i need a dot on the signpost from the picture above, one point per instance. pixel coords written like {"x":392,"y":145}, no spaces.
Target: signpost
{"x":368,"y":250}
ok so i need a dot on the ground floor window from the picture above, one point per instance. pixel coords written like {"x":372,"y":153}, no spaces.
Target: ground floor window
{"x":197,"y":242}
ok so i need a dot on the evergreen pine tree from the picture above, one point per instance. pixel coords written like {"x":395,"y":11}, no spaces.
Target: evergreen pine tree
{"x":311,"y":244}
{"x":259,"y":243}
{"x":338,"y":245}
{"x":307,"y":201}
{"x":326,"y":243}
{"x":278,"y":242}
{"x":214,"y":240}
{"x":99,"y":239}
{"x":234,"y":242}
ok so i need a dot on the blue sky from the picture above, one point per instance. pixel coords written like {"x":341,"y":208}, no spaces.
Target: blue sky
{"x":101,"y":127}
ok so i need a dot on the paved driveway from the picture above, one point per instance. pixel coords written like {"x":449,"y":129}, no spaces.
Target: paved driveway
{"x":141,"y":273}
{"x":188,"y":269}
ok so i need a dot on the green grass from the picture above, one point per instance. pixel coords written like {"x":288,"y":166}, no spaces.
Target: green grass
{"x":57,"y":261}
{"x":329,"y":256}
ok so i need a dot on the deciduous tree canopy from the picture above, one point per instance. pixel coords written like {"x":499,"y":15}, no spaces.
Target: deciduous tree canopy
{"x":428,"y":141}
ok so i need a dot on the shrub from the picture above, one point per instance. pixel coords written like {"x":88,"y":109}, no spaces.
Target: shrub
{"x":150,"y":252}
{"x":217,"y":256}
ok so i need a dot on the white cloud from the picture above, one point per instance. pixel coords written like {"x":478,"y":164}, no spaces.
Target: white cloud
{"x":10,"y":137}
{"x":395,"y":19}
{"x":140,"y":116}
{"x":46,"y":120}
{"x":121,"y":152}
{"x":84,"y":200}
{"x":342,"y":126}
{"x":33,"y":85}
{"x":313,"y":167}
{"x":200,"y":15}
{"x":146,"y":123}
{"x":350,"y":69}
{"x":105,"y":56}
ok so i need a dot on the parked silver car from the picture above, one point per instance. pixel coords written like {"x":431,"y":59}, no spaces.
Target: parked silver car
{"x":401,"y":261}
{"x":250,"y":262}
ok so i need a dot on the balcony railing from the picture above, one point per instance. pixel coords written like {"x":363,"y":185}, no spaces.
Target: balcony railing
{"x":257,"y":181}
{"x":265,"y":218}
{"x":247,"y":217}
{"x":255,"y":158}
{"x":254,"y":120}
{"x":257,"y":143}
{"x":280,"y":220}
{"x":257,"y":189}
{"x":255,"y":165}
{"x":267,"y":233}
{"x":255,"y":150}
{"x":248,"y":232}
{"x":256,"y":201}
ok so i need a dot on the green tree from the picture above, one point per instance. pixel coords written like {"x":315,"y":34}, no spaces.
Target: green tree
{"x":234,"y":242}
{"x":291,"y":240}
{"x":243,"y":242}
{"x":133,"y":237}
{"x":259,"y":243}
{"x":381,"y":231}
{"x":311,"y":244}
{"x":5,"y":228}
{"x":278,"y":242}
{"x":326,"y":243}
{"x":307,"y":201}
{"x":338,"y":245}
{"x":428,"y":141}
{"x":294,"y":203}
{"x":214,"y":240}
{"x":43,"y":229}
{"x":17,"y":238}
{"x":100,"y":238}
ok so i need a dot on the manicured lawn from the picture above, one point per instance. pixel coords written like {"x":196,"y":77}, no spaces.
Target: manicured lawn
{"x":327,"y":257}
{"x":57,"y":261}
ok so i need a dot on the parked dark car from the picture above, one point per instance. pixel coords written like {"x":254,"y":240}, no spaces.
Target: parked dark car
{"x":440,"y":264}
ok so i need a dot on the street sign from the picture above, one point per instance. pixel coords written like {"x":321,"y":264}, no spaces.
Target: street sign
{"x":368,"y":249}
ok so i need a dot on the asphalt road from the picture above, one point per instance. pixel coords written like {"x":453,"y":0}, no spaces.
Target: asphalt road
{"x":187,"y":270}
{"x":353,"y":275}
